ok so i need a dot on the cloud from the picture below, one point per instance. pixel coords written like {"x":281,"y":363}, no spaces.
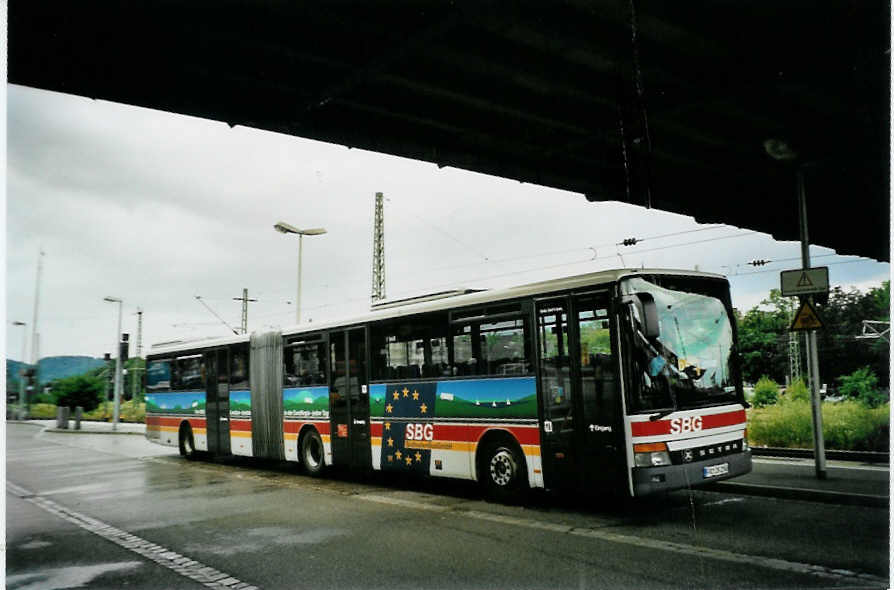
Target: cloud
{"x":157,"y":208}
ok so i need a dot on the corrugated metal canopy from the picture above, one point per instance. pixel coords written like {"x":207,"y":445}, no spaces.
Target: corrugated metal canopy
{"x":667,"y":105}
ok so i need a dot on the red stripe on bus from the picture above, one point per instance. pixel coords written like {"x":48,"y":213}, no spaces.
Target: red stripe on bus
{"x":323,"y":427}
{"x":244,"y":425}
{"x":469,"y":433}
{"x":708,"y":422}
{"x":169,"y":421}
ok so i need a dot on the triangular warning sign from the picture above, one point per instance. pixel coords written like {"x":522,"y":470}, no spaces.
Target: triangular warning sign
{"x":805,"y":281}
{"x":806,"y":319}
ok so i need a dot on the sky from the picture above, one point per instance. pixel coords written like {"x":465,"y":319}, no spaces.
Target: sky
{"x":156,"y":208}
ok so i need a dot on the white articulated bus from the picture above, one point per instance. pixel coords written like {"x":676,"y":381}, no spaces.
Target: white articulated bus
{"x":623,"y":380}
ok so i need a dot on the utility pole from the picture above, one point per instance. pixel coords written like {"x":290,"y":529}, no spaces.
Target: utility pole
{"x":378,"y":262}
{"x":812,"y":354}
{"x":35,"y":350}
{"x":245,"y":301}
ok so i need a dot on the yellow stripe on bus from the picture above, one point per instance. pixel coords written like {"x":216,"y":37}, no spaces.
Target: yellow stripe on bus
{"x":173,"y":429}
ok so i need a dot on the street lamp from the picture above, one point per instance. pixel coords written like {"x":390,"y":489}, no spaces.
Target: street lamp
{"x":117,"y":362}
{"x":285,"y":228}
{"x":22,"y":372}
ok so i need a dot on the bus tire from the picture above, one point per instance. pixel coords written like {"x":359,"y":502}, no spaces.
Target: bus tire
{"x":313,"y":453}
{"x":502,"y":471}
{"x":187,"y":443}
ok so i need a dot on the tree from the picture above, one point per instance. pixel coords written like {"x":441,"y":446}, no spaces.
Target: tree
{"x":81,"y":390}
{"x":763,"y":339}
{"x":764,"y":335}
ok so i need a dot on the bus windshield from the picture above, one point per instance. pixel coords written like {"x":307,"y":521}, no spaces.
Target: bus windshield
{"x":688,"y":364}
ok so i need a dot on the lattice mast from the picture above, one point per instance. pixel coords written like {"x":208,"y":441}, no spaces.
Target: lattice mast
{"x":378,"y":263}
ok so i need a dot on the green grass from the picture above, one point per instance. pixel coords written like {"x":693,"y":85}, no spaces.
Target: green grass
{"x":847,"y":426}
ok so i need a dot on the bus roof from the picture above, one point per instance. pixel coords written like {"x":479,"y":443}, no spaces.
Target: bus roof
{"x":424,"y":304}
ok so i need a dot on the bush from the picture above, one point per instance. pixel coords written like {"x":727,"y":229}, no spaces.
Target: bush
{"x":42,"y":411}
{"x":847,"y":426}
{"x":766,"y":392}
{"x":80,"y":390}
{"x":128,"y":412}
{"x":797,"y":391}
{"x":862,"y":385}
{"x":853,"y":426}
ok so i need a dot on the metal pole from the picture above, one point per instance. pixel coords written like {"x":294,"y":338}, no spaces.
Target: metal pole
{"x":819,"y":449}
{"x":20,"y":407}
{"x":298,"y":296}
{"x":117,"y":371}
{"x":34,"y":350}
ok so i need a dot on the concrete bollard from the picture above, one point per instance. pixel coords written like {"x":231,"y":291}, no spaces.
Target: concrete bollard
{"x":66,"y":415}
{"x":61,"y":418}
{"x":79,"y":413}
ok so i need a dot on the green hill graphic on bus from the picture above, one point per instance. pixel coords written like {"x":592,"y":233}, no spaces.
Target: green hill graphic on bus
{"x":240,"y":404}
{"x":474,"y":398}
{"x":187,"y":402}
{"x":306,"y":401}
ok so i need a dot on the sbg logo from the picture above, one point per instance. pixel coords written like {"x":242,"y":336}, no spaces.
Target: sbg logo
{"x":686,"y":424}
{"x":419,"y":432}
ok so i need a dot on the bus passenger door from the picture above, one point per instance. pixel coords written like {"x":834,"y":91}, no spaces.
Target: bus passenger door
{"x":600,"y":431}
{"x":223,"y":403}
{"x":349,"y":398}
{"x":556,"y":392}
{"x":339,"y":413}
{"x":217,"y":402}
{"x":358,"y":400}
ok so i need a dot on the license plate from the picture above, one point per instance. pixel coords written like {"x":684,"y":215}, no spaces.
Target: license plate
{"x":715,"y":470}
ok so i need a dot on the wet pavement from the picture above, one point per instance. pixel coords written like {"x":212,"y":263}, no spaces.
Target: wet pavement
{"x":110,"y":502}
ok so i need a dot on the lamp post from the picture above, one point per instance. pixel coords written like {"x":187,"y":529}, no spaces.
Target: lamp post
{"x":21,"y":403}
{"x":285,"y":228}
{"x":117,"y":362}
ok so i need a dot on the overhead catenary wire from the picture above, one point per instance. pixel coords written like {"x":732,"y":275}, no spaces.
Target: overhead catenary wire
{"x":199,"y":299}
{"x":540,"y":268}
{"x":446,"y":233}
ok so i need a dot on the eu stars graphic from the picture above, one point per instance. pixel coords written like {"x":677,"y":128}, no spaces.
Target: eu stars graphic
{"x":406,"y":434}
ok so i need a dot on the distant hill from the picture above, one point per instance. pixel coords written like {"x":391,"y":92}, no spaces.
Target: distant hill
{"x":56,"y":367}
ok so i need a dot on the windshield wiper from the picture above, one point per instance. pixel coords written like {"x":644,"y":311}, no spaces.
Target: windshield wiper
{"x":661,"y":415}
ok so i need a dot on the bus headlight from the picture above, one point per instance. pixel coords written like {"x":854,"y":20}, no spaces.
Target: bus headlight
{"x":651,"y":455}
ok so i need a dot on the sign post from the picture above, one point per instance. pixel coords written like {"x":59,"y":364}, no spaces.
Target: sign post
{"x":804,"y":283}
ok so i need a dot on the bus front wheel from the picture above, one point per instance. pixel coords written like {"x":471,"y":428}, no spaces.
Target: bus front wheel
{"x":312,"y":452}
{"x":187,"y":443}
{"x":502,"y":472}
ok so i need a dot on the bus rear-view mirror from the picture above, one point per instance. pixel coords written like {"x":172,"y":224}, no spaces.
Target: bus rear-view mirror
{"x":646,"y":312}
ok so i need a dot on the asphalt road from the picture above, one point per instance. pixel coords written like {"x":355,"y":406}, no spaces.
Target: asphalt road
{"x":116,"y":511}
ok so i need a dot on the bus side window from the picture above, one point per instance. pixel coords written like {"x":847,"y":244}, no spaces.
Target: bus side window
{"x":304,"y":364}
{"x":239,"y":367}
{"x":598,"y":367}
{"x":158,"y":375}
{"x":555,"y":362}
{"x":410,"y":349}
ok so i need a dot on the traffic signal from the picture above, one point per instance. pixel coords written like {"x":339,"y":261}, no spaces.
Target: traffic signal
{"x":759,"y":262}
{"x":123,"y":348}
{"x":30,"y":383}
{"x":630,"y":242}
{"x":110,"y":377}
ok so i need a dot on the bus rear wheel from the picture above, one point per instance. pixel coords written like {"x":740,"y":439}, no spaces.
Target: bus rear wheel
{"x":187,"y":443}
{"x":312,"y":452}
{"x":502,"y":472}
